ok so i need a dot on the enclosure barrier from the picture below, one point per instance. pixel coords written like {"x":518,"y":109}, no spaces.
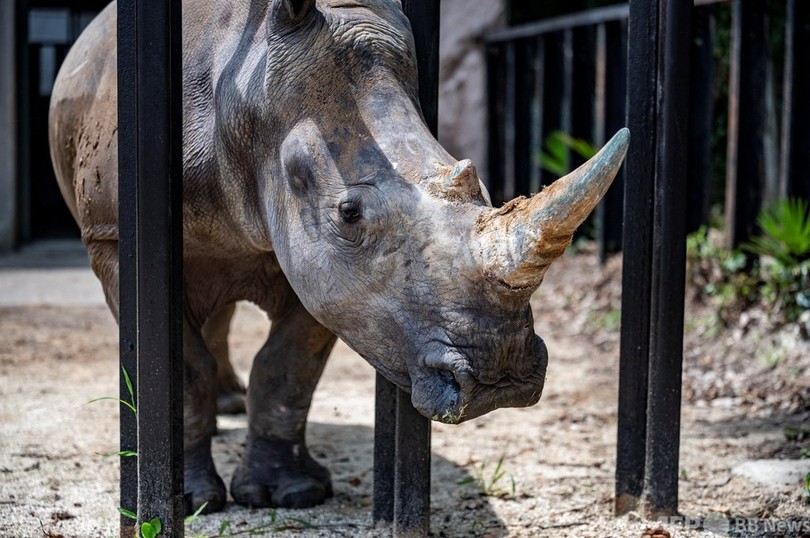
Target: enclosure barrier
{"x":401,"y":434}
{"x":575,"y":74}
{"x":569,"y":73}
{"x":150,"y":153}
{"x":571,"y":60}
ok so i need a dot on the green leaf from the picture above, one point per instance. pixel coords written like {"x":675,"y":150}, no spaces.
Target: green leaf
{"x":304,"y":523}
{"x":123,"y":402}
{"x":196,"y":514}
{"x":555,"y":157}
{"x":148,"y":529}
{"x":127,"y":513}
{"x":785,"y":232}
{"x":225,"y":525}
{"x":122,"y":453}
{"x":129,"y":386}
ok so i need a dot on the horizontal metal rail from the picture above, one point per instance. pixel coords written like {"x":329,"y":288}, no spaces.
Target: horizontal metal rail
{"x":574,"y":20}
{"x":564,"y":22}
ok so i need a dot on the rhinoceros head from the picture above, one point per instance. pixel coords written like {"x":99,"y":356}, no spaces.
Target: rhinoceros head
{"x":390,"y":242}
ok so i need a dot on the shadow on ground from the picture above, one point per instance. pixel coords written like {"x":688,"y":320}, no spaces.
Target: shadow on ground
{"x":347,"y":450}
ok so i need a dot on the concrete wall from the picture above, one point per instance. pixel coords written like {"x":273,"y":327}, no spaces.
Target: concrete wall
{"x":462,"y":87}
{"x":8,"y":122}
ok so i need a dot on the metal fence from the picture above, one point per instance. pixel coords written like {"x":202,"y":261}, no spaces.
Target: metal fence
{"x":539,"y":66}
{"x":653,"y":63}
{"x":569,"y":73}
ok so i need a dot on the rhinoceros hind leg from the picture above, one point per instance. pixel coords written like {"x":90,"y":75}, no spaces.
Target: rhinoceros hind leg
{"x":202,"y":484}
{"x":230,"y":390}
{"x":276,"y":468}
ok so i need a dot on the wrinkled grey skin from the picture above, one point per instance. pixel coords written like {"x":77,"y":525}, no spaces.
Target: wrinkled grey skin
{"x":314,"y":190}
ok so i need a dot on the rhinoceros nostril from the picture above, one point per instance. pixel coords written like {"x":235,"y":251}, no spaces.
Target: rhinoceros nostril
{"x":448,"y":378}
{"x":497,"y":380}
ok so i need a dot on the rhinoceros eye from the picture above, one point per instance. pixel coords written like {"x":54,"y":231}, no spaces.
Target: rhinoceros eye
{"x":350,"y":211}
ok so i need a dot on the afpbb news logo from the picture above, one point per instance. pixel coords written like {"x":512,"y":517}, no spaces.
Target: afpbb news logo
{"x":739,"y":526}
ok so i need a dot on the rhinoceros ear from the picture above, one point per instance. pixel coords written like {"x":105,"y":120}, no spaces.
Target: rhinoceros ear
{"x":290,"y":11}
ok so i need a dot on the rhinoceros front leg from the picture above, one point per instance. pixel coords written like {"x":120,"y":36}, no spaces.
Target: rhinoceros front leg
{"x":202,"y":483}
{"x":276,"y":468}
{"x":230,"y":390}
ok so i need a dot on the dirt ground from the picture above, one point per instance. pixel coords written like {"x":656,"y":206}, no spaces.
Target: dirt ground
{"x":743,"y":386}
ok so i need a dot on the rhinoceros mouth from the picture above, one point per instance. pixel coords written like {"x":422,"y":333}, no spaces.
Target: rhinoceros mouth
{"x":454,"y":395}
{"x":444,"y":388}
{"x":439,"y":395}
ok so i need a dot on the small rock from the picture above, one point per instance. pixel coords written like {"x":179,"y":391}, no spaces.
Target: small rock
{"x":775,"y":474}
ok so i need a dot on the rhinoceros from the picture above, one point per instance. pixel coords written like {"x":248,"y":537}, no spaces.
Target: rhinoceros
{"x":314,"y":189}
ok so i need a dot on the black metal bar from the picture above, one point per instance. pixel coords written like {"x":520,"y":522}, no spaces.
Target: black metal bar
{"x":9,"y":126}
{"x":496,"y":91}
{"x":796,"y":112}
{"x":127,"y":285}
{"x":524,"y":92}
{"x":153,"y":174}
{"x":24,"y":128}
{"x":701,"y":106}
{"x":583,"y":87}
{"x":554,"y":92}
{"x":668,"y":261}
{"x":412,"y":476}
{"x":747,"y":116}
{"x":509,"y":116}
{"x":642,"y":67}
{"x":581,"y":103}
{"x":424,"y":18}
{"x":536,"y":111}
{"x":412,"y":439}
{"x":385,"y":427}
{"x":615,"y":99}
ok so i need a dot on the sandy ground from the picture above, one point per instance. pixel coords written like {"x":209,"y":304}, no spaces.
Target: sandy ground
{"x":58,"y":347}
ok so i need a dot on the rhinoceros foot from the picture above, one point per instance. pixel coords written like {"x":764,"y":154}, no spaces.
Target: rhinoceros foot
{"x":201,"y":482}
{"x":279,"y":473}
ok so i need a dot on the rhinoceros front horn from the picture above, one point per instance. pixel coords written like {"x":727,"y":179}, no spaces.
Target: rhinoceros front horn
{"x":517,"y":242}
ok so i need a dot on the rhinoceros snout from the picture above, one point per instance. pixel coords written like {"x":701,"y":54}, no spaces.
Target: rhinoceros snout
{"x":447,"y":391}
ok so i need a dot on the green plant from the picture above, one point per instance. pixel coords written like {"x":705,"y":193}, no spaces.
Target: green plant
{"x":796,"y":433}
{"x":785,"y":232}
{"x":149,"y":529}
{"x":807,"y":486}
{"x":610,"y":321}
{"x":784,"y":251}
{"x":556,"y":156}
{"x":449,"y":417}
{"x":773,"y":356}
{"x":131,"y":405}
{"x":720,"y":274}
{"x":275,"y":524}
{"x":153,"y":527}
{"x":492,"y":484}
